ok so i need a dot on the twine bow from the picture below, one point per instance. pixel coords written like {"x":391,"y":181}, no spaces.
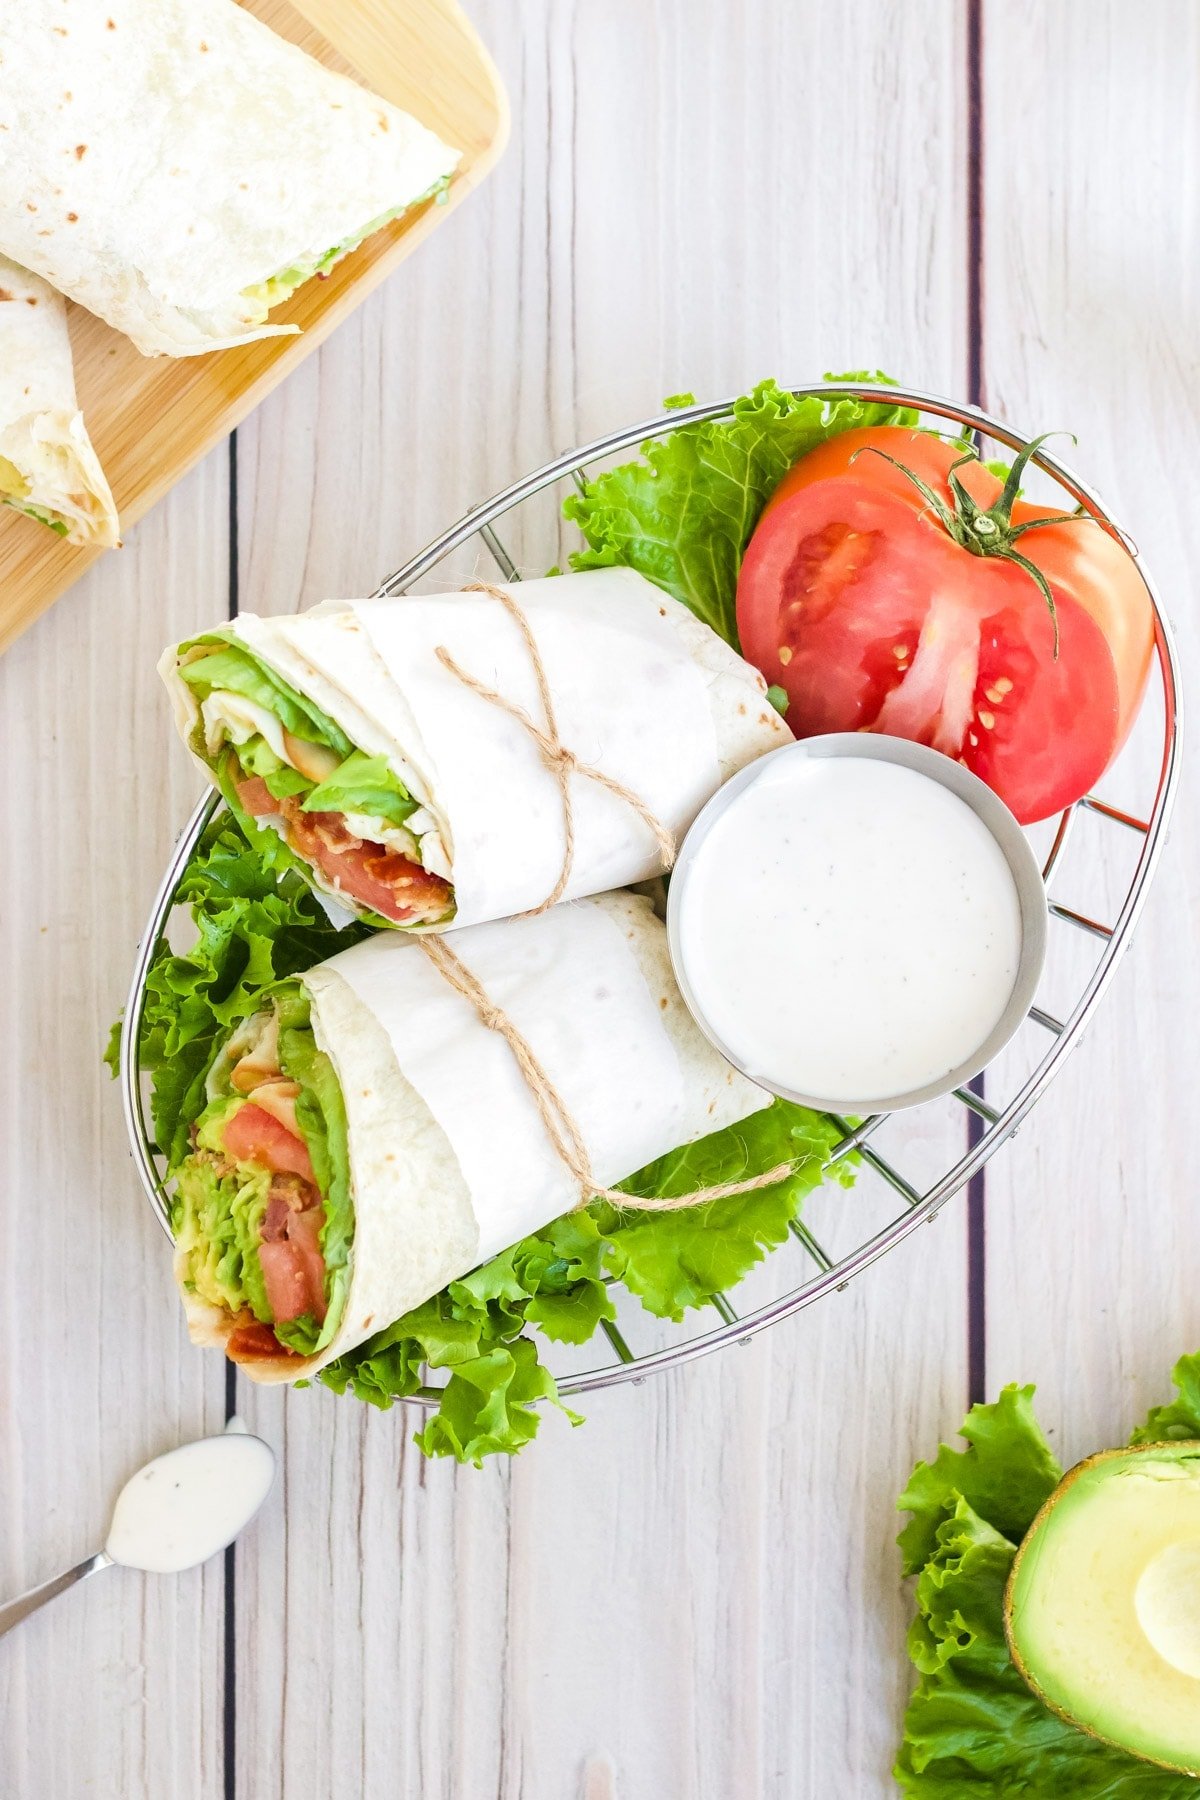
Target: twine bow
{"x":561,"y":1127}
{"x":563,"y":763}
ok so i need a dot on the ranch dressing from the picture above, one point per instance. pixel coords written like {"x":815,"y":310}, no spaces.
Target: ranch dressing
{"x":185,"y":1506}
{"x":849,"y":928}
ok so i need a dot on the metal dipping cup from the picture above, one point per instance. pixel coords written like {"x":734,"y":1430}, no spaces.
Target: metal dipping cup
{"x":987,"y":806}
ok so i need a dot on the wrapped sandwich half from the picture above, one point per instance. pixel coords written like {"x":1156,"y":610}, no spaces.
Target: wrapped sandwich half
{"x":179,"y":169}
{"x":358,"y":735}
{"x":48,"y":468}
{"x":365,"y":1139}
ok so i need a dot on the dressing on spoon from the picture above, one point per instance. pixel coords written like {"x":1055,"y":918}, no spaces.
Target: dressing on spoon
{"x":185,"y":1506}
{"x":179,"y":1510}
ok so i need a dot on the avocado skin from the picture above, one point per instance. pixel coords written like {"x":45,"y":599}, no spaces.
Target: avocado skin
{"x":1171,"y":1447}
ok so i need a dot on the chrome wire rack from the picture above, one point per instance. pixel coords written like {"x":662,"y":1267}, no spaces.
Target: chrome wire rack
{"x":911,"y":1163}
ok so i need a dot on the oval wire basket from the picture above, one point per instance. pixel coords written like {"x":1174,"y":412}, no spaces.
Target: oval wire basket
{"x":814,"y":1264}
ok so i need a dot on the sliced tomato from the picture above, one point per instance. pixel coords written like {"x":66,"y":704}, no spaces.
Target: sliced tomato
{"x":256,"y":797}
{"x":390,"y":884}
{"x":289,"y":1251}
{"x":855,"y":599}
{"x":304,"y":1239}
{"x":291,"y":1291}
{"x":252,"y":1135}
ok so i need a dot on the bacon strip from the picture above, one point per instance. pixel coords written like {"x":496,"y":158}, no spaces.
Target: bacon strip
{"x":251,"y":1340}
{"x":390,"y":884}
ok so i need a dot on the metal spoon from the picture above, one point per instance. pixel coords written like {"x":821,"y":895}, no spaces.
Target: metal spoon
{"x":156,"y":1525}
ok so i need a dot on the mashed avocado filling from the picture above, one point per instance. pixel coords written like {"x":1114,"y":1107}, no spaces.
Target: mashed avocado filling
{"x":253,"y":723}
{"x":220,"y":1203}
{"x":14,"y":489}
{"x":263,"y":295}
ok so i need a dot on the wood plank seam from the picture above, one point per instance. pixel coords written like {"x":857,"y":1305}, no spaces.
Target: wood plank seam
{"x":976,"y":391}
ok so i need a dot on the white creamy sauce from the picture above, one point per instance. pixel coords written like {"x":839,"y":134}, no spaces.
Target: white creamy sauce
{"x":185,"y":1506}
{"x":851,"y":929}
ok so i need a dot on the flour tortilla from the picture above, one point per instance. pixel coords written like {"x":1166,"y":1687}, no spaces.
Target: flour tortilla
{"x":158,"y":158}
{"x":450,"y":1160}
{"x":642,"y":690}
{"x":42,"y":433}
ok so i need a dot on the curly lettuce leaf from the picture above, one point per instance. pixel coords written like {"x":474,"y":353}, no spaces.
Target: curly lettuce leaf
{"x":254,"y":927}
{"x":973,"y":1727}
{"x":258,"y":924}
{"x":676,"y":1260}
{"x":1006,"y":1474}
{"x":683,"y":513}
{"x":558,"y":1281}
{"x":229,"y":665}
{"x":489,"y":1406}
{"x":1179,"y":1418}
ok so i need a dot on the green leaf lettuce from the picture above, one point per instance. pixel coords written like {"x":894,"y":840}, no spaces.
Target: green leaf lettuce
{"x":257,"y":925}
{"x":558,"y":1280}
{"x":973,"y":1727}
{"x":683,"y":513}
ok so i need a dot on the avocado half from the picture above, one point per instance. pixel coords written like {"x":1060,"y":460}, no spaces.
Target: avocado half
{"x":1102,"y":1607}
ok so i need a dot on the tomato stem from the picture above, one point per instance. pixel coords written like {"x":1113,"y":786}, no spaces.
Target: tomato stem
{"x":988,"y":530}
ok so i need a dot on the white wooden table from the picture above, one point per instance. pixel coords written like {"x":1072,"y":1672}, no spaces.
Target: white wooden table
{"x":695,"y":1597}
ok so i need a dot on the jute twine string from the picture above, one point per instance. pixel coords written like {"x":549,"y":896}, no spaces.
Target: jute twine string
{"x":556,"y":1117}
{"x":561,"y":761}
{"x":561,"y":1128}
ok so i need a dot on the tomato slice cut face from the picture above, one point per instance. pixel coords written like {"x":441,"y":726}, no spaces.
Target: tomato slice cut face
{"x":1047,"y":738}
{"x":872,"y":618}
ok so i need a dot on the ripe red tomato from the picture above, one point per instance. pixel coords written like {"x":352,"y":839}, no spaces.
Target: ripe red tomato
{"x":857,"y":600}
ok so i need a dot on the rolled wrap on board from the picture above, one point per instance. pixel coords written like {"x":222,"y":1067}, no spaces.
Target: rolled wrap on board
{"x":642,"y":690}
{"x":164,"y":161}
{"x":450,"y":1159}
{"x":48,"y":468}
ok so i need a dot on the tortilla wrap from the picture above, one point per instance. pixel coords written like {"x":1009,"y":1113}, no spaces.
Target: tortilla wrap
{"x":161,"y":160}
{"x":48,"y":468}
{"x":450,"y":1161}
{"x":642,"y":691}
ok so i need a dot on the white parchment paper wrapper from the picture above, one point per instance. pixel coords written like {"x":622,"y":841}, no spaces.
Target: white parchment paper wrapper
{"x":450,"y":1159}
{"x":642,"y":690}
{"x":42,"y":432}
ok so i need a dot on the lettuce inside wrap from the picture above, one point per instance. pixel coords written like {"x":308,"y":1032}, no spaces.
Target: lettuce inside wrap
{"x":14,"y":492}
{"x":258,"y":922}
{"x":238,"y":1196}
{"x":62,"y":489}
{"x":256,"y":929}
{"x":263,"y":295}
{"x":336,"y":814}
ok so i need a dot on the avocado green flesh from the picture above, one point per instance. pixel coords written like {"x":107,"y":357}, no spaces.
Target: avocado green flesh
{"x":1103,"y":1607}
{"x":218,"y":1210}
{"x":13,"y":485}
{"x":14,"y":491}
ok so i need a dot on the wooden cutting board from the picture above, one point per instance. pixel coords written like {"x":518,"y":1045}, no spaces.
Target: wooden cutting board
{"x":151,"y":418}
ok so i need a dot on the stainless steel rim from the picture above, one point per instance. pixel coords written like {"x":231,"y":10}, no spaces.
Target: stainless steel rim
{"x":919,"y":1207}
{"x":989,"y":809}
